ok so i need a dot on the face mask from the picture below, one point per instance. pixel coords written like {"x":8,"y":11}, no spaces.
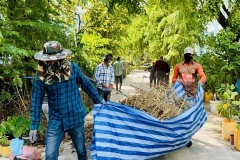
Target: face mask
{"x":110,"y":62}
{"x":187,"y":58}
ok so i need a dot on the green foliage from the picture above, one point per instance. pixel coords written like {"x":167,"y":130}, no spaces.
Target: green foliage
{"x":238,"y":126}
{"x":166,"y":29}
{"x":221,"y":62}
{"x":228,"y":95}
{"x":135,"y":44}
{"x":173,"y":25}
{"x":94,"y":50}
{"x":5,"y":95}
{"x":133,"y":7}
{"x":88,"y":108}
{"x":211,"y":65}
{"x":109,"y":25}
{"x":25,"y":27}
{"x":3,"y":140}
{"x":17,"y":126}
{"x":226,"y":51}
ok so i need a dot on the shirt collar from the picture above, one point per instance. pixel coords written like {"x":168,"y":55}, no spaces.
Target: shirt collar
{"x":192,"y":62}
{"x":103,"y":65}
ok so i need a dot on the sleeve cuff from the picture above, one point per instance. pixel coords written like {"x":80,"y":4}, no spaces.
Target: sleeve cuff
{"x":34,"y":125}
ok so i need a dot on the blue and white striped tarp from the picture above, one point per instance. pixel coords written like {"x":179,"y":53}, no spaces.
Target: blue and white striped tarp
{"x":122,"y":132}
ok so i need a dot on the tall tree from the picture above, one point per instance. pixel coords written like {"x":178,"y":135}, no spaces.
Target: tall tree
{"x":24,"y":27}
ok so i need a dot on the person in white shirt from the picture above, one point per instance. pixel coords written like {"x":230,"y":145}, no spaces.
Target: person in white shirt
{"x":104,"y":76}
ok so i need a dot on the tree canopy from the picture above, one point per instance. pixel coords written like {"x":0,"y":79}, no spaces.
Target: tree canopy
{"x":133,"y":29}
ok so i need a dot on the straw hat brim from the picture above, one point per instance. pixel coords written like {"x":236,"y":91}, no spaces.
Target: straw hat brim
{"x":45,"y":57}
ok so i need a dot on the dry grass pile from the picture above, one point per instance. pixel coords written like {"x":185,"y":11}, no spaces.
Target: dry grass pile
{"x":160,"y":102}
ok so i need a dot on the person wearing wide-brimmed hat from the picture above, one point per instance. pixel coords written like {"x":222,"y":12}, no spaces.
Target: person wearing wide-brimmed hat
{"x":59,"y":78}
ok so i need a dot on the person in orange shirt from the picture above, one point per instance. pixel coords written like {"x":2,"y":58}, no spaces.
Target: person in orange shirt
{"x":187,"y":71}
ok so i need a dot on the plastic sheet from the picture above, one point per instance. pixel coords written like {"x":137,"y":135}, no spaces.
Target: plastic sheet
{"x":122,"y":132}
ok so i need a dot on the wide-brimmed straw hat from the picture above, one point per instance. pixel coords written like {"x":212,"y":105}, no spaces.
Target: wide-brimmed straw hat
{"x":52,"y":50}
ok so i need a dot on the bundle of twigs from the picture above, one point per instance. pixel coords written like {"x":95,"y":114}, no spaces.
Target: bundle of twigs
{"x":161,"y":102}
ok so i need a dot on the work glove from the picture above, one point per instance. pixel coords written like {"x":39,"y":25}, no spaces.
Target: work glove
{"x":33,"y":135}
{"x":103,"y":101}
{"x":200,"y":83}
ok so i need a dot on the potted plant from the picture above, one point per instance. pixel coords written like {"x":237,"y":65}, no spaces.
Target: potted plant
{"x":208,"y":96}
{"x":213,"y":84}
{"x":5,"y":150}
{"x":228,"y":99}
{"x":237,"y":137}
{"x":208,"y":93}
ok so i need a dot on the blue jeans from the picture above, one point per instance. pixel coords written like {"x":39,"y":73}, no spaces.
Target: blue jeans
{"x":106,"y":95}
{"x":54,"y":138}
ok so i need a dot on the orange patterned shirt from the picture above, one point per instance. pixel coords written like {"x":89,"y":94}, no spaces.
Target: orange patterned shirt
{"x":187,"y":73}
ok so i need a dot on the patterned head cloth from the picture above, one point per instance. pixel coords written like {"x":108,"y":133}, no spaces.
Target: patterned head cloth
{"x":188,"y":50}
{"x":52,"y":50}
{"x":53,"y":72}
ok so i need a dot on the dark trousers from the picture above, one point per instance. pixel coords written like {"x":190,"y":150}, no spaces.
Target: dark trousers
{"x":118,"y":79}
{"x":160,"y":77}
{"x":166,"y":79}
{"x":154,"y":82}
{"x":106,"y":95}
